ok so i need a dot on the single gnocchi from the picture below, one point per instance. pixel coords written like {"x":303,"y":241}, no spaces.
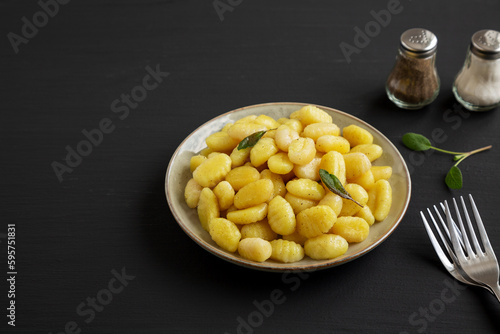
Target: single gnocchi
{"x":241,"y":176}
{"x":225,"y":195}
{"x":302,"y":151}
{"x":325,"y":247}
{"x":208,"y":207}
{"x":356,"y":164}
{"x":192,"y":193}
{"x":357,"y":135}
{"x":262,"y":151}
{"x":249,"y":215}
{"x":225,"y":234}
{"x":306,"y":188}
{"x":315,"y":221}
{"x":212,"y":170}
{"x":286,"y":251}
{"x":281,"y":216}
{"x":255,"y":249}
{"x":254,"y":193}
{"x":352,"y":229}
{"x":380,"y":199}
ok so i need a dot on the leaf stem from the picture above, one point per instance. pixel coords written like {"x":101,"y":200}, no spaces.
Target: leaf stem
{"x":465,"y":155}
{"x":446,"y":151}
{"x":480,"y":150}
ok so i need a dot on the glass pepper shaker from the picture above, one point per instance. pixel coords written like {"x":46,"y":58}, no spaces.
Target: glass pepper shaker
{"x":477,"y":85}
{"x":414,"y":82}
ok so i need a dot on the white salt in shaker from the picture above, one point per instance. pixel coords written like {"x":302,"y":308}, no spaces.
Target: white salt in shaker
{"x":477,"y":85}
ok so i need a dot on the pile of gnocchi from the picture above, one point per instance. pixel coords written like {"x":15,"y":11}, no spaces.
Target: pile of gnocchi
{"x":267,"y":201}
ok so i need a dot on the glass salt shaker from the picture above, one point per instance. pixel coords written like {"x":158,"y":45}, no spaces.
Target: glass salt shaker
{"x":414,"y":82}
{"x":477,"y":85}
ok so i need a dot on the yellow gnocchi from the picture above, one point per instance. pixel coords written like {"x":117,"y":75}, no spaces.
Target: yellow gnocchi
{"x":356,"y":164}
{"x":309,"y":170}
{"x":372,"y":151}
{"x":221,"y":142}
{"x":359,"y":194}
{"x":262,"y":151}
{"x":306,"y":188}
{"x":249,"y":215}
{"x":357,"y":135}
{"x":241,"y":176}
{"x":225,"y":195}
{"x":225,"y":234}
{"x":267,"y":201}
{"x":254,"y":193}
{"x":315,"y":221}
{"x":380,"y":199}
{"x":212,"y":170}
{"x":280,"y":163}
{"x":325,"y":247}
{"x":281,"y":216}
{"x":286,"y":251}
{"x":311,"y":114}
{"x":260,"y":229}
{"x":284,"y":136}
{"x":329,"y":143}
{"x":316,"y":130}
{"x":192,"y":193}
{"x":333,"y":162}
{"x":255,"y":249}
{"x":208,"y":207}
{"x":278,"y":183}
{"x":352,"y":229}
{"x":302,"y":151}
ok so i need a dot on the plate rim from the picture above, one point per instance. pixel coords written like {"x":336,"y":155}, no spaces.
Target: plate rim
{"x":264,"y":266}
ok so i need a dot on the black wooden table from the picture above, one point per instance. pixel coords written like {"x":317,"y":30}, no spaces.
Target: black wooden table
{"x":97,"y":95}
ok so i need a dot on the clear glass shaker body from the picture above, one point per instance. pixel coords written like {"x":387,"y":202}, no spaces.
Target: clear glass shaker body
{"x":477,"y":85}
{"x":414,"y":82}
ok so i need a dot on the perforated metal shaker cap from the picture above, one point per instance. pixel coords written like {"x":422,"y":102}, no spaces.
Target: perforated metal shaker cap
{"x":486,"y":44}
{"x":419,"y":42}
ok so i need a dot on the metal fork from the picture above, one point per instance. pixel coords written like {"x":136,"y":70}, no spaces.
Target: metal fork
{"x":481,"y":266}
{"x":451,"y":266}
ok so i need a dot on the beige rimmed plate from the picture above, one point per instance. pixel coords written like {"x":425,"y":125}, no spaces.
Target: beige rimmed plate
{"x":178,"y":174}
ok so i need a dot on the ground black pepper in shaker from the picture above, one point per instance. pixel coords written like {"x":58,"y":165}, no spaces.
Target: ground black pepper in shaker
{"x":414,"y":82}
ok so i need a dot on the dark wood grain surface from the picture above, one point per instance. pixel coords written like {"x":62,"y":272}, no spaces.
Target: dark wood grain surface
{"x":97,"y":248}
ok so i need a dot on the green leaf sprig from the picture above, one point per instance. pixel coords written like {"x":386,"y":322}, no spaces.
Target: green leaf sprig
{"x":335,"y":186}
{"x":251,"y":140}
{"x":453,"y":179}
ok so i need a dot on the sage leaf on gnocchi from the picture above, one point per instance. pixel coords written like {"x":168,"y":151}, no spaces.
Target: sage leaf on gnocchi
{"x":335,"y":186}
{"x":250,"y":140}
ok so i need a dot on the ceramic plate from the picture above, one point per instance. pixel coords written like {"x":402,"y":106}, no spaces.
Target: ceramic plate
{"x":178,"y":174}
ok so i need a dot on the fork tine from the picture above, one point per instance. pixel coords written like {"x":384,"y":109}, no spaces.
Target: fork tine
{"x":471,"y":229}
{"x":482,"y":231}
{"x":435,"y":243}
{"x":446,"y":227}
{"x":443,"y":239}
{"x":465,"y":238}
{"x":453,"y":233}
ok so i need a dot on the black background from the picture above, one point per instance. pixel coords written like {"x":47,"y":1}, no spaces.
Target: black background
{"x":110,"y":212}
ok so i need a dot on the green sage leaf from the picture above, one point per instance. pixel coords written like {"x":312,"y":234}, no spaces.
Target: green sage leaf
{"x":251,"y":140}
{"x":454,"y":178}
{"x":416,"y":142}
{"x":335,"y":186}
